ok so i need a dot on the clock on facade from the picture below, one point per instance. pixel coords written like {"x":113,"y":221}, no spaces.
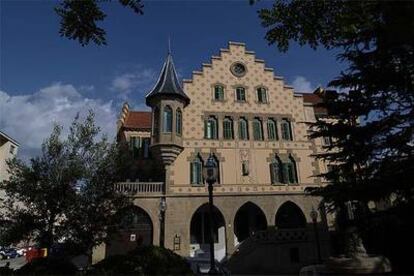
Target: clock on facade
{"x":238,"y":69}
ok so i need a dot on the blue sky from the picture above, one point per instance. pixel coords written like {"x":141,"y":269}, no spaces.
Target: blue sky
{"x":45,"y":78}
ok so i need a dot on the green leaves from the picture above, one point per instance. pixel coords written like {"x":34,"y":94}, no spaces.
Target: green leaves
{"x":80,"y":18}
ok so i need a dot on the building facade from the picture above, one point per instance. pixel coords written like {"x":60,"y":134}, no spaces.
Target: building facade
{"x":254,"y":125}
{"x":8,"y":149}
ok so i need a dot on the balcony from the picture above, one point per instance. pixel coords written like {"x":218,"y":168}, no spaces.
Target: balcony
{"x":140,"y":188}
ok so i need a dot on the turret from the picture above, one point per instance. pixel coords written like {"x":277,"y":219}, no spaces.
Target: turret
{"x":167,"y":100}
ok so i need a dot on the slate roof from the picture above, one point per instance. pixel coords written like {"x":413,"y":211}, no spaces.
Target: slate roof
{"x":167,"y":84}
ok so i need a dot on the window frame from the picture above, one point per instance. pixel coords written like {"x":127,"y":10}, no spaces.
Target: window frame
{"x":219,"y":99}
{"x":261,"y":94}
{"x":227,"y":128}
{"x":244,"y":120}
{"x":286,"y":127}
{"x":179,"y":122}
{"x":255,"y":137}
{"x":167,"y":119}
{"x":271,"y":121}
{"x":208,"y":127}
{"x":196,"y":178}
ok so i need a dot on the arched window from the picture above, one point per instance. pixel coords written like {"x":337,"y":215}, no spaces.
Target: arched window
{"x":228,"y":128}
{"x":290,"y":173}
{"x":196,"y":171}
{"x":167,"y":119}
{"x":272,"y":130}
{"x":179,"y":122}
{"x":286,"y":130}
{"x":261,"y":95}
{"x":156,"y":124}
{"x":210,"y":128}
{"x":243,"y":129}
{"x":276,"y":171}
{"x":240,"y":94}
{"x":218,"y":93}
{"x":257,"y":129}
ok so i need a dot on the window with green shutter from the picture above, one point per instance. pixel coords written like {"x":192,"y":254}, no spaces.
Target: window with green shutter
{"x":228,"y":128}
{"x":218,"y":93}
{"x":276,"y":171}
{"x":240,"y":94}
{"x":196,"y":168}
{"x":272,"y":129}
{"x":261,"y":95}
{"x":286,"y":130}
{"x":210,"y":128}
{"x":257,"y":130}
{"x":243,"y":129}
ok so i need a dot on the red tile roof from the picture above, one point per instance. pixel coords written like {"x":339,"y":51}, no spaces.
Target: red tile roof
{"x":138,"y":119}
{"x":314,"y":99}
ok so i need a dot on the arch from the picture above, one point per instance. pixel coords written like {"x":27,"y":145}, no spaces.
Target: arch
{"x":167,"y":115}
{"x":289,"y":215}
{"x":249,"y":219}
{"x":134,"y":228}
{"x":200,"y":231}
{"x":178,"y":121}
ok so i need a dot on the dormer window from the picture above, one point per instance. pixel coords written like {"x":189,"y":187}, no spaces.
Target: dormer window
{"x":240,"y":94}
{"x":218,"y":93}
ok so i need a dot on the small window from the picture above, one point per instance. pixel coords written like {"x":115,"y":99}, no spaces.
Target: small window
{"x":12,"y":148}
{"x":240,"y":94}
{"x":219,"y":93}
{"x":167,"y":119}
{"x":289,"y":171}
{"x":210,"y":128}
{"x":245,"y":168}
{"x":179,"y":122}
{"x":286,"y":130}
{"x":257,"y":130}
{"x":261,"y":95}
{"x":243,"y":129}
{"x":196,"y":168}
{"x":271,"y":130}
{"x":228,"y":128}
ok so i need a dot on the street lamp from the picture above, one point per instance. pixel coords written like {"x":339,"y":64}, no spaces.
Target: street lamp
{"x":163,"y":208}
{"x":210,"y":173}
{"x":314,"y":217}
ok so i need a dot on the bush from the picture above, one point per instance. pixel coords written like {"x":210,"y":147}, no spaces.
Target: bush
{"x":148,"y":260}
{"x":48,"y":266}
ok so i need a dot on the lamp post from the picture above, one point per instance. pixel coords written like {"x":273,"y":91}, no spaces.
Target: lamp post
{"x":314,"y":217}
{"x":163,"y":208}
{"x":210,"y":173}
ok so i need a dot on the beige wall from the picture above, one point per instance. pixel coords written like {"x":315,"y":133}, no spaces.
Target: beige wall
{"x":4,"y":155}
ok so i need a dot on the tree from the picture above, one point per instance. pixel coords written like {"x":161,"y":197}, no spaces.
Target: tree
{"x":375,"y":156}
{"x":373,"y":127}
{"x":79,"y":19}
{"x":67,"y":193}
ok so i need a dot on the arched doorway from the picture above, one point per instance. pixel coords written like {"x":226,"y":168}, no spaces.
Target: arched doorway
{"x":249,"y":219}
{"x":200,"y":232}
{"x":134,"y":228}
{"x":290,"y":216}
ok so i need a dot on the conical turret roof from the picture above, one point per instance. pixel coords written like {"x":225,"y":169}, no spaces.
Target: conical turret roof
{"x":167,"y":84}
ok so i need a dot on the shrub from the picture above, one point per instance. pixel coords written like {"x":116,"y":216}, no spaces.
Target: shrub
{"x":48,"y":266}
{"x":148,"y":260}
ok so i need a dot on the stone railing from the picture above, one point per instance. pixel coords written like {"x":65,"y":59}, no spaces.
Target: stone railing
{"x":138,"y":188}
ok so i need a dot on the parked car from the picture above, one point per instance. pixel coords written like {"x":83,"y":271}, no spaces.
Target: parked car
{"x":8,"y":253}
{"x":201,"y":266}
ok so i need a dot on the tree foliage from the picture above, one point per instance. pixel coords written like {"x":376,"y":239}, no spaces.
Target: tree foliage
{"x":79,"y":19}
{"x":372,"y":134}
{"x":67,"y":193}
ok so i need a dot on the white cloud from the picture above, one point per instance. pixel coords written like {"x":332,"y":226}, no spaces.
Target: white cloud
{"x":301,"y":84}
{"x":140,"y":80}
{"x":29,"y":118}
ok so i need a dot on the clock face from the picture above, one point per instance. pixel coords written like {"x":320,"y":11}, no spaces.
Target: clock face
{"x":238,"y":69}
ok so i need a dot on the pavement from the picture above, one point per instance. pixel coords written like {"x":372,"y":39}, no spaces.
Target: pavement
{"x":15,"y":263}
